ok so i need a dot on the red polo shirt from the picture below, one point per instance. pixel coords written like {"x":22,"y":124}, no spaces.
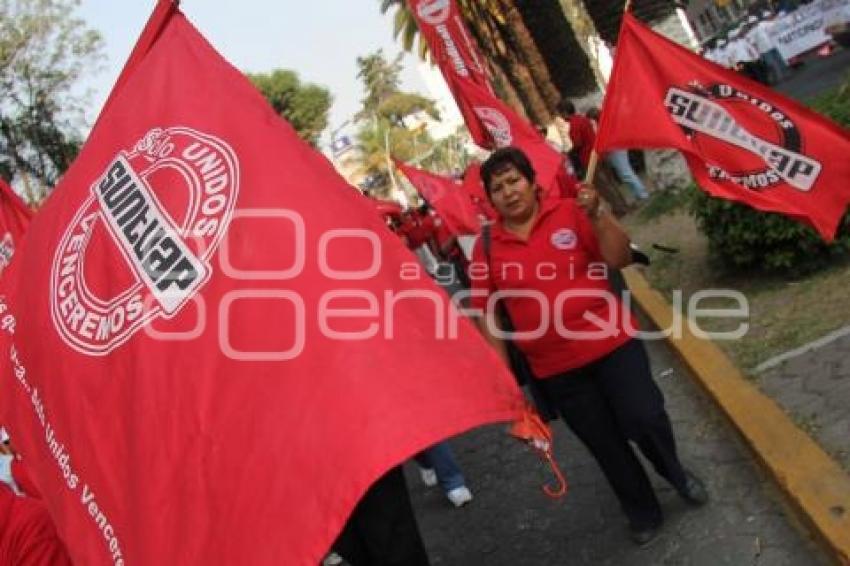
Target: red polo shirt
{"x":560,"y":264}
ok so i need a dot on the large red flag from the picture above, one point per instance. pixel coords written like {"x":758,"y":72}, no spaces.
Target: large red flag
{"x":742,"y":141}
{"x":219,"y":348}
{"x":456,"y":55}
{"x":493,"y":124}
{"x":15,"y":217}
{"x":447,"y":197}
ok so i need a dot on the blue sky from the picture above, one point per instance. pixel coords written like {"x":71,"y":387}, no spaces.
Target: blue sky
{"x":320,"y":39}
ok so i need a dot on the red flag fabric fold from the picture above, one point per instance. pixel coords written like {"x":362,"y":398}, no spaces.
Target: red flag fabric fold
{"x":742,"y":140}
{"x":218,"y":348}
{"x":493,"y":124}
{"x":15,"y":217}
{"x":447,"y":197}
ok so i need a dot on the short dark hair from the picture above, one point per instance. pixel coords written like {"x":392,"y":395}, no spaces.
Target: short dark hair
{"x":566,"y":107}
{"x":500,"y":160}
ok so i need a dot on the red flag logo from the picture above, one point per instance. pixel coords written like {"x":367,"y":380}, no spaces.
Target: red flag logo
{"x":497,"y":124}
{"x":769,"y":142}
{"x":434,"y":12}
{"x":135,"y":204}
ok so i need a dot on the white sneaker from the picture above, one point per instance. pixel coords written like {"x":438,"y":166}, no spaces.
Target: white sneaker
{"x":459,"y":496}
{"x":429,"y":476}
{"x":332,"y":559}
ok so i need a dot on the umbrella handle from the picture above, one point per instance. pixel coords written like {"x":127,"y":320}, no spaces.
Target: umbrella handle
{"x":560,"y":488}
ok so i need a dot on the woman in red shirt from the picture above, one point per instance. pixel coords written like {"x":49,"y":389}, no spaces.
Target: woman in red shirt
{"x":547,"y":263}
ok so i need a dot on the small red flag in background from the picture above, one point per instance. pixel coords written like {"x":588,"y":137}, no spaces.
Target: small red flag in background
{"x":218,"y":350}
{"x":474,"y":187}
{"x":447,"y":197}
{"x":493,"y":124}
{"x":742,"y":141}
{"x":15,"y":217}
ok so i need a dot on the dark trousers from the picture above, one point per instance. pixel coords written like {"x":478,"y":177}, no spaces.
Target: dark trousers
{"x":606,"y":404}
{"x":382,"y":530}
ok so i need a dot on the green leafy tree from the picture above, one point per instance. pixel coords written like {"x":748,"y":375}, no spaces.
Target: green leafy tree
{"x":305,"y":106}
{"x":44,"y":51}
{"x":388,"y":118}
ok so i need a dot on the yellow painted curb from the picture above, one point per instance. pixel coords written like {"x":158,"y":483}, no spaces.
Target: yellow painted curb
{"x":816,"y":485}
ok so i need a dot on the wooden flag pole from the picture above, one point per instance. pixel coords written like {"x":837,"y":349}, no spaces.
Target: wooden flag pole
{"x":594,"y":156}
{"x":591,"y":167}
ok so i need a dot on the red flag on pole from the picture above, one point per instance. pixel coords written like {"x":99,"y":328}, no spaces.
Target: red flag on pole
{"x":15,"y":217}
{"x":220,"y":349}
{"x":452,"y":49}
{"x":493,"y":124}
{"x":447,"y":197}
{"x":743,"y":141}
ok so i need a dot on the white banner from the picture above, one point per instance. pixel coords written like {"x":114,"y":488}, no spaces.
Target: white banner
{"x":805,"y":28}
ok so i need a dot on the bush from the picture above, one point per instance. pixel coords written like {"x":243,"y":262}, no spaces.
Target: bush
{"x":744,"y":238}
{"x":741,"y":237}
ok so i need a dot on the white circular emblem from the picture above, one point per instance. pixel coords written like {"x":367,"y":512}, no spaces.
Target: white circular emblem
{"x":434,"y":12}
{"x":154,"y":218}
{"x":496,"y":124}
{"x":564,"y":239}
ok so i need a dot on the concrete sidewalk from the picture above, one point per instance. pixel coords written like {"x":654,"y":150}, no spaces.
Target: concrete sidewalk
{"x":814,"y":388}
{"x":512,"y":523}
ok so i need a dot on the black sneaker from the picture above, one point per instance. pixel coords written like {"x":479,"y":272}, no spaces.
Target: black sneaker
{"x":642,"y":536}
{"x":694,"y":491}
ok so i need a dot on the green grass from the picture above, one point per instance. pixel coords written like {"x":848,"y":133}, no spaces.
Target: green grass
{"x":663,"y":202}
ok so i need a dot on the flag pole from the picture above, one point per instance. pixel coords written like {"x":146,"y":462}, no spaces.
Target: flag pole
{"x":594,"y":156}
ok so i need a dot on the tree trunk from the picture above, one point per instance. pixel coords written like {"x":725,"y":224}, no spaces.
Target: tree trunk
{"x":505,"y":89}
{"x":568,"y":64}
{"x":516,"y":71}
{"x":531,"y":54}
{"x":483,"y":38}
{"x":583,"y":26}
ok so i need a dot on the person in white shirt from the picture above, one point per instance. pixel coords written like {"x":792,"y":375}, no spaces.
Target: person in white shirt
{"x":745,"y":59}
{"x":759,"y":37}
{"x":721,"y":54}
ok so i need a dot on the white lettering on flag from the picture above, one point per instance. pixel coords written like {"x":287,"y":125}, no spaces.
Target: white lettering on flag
{"x":706,"y":116}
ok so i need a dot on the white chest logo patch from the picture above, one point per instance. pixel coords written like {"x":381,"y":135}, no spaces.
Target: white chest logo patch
{"x":564,"y":239}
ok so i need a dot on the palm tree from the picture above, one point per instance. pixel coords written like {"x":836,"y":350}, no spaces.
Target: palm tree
{"x":606,"y":14}
{"x":506,"y":42}
{"x":523,"y":39}
{"x":569,"y":65}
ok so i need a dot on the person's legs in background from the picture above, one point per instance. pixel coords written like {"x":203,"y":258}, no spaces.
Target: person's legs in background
{"x":382,"y":529}
{"x":441,"y":460}
{"x":776,"y":63}
{"x":619,"y":160}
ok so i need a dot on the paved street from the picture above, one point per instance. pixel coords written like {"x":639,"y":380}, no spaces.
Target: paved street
{"x":512,"y":523}
{"x":817,"y":75}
